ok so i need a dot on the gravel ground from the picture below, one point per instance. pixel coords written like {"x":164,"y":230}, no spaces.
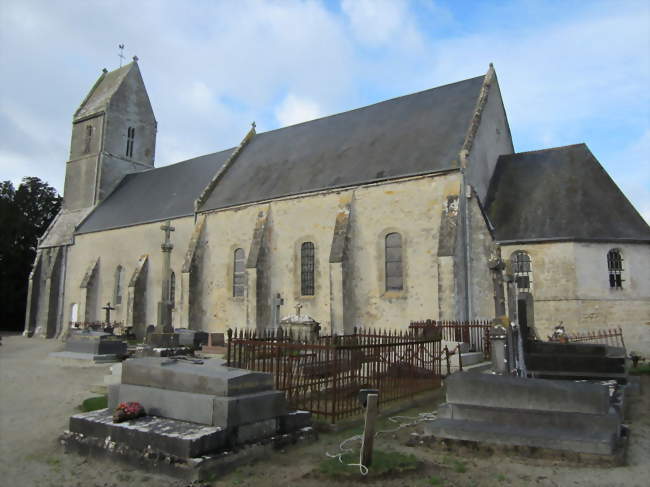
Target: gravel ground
{"x":38,"y":394}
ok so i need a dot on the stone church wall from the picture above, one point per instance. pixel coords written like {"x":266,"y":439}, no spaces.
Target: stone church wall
{"x":571,"y":284}
{"x":124,"y":246}
{"x":410,"y":207}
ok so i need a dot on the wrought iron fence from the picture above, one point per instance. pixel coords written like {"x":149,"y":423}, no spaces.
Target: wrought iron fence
{"x":476,"y":333}
{"x":613,"y":337}
{"x":323,"y":374}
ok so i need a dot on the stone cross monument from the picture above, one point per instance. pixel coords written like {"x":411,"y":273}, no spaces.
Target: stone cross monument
{"x":164,"y":322}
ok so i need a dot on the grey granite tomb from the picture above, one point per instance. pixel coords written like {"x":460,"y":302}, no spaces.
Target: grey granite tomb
{"x":551,"y":414}
{"x":95,"y":346}
{"x":197,"y":411}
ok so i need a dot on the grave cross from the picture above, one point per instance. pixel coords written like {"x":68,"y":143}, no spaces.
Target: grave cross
{"x":167,"y":245}
{"x":108,"y":308}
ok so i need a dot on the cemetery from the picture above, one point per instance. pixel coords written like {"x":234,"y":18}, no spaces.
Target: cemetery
{"x":473,"y":392}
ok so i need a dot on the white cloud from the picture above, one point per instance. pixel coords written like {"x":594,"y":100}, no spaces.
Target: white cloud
{"x":295,"y":109}
{"x":376,"y":22}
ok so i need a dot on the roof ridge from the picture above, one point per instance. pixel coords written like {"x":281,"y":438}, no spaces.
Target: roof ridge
{"x":370,"y":105}
{"x":543,"y":150}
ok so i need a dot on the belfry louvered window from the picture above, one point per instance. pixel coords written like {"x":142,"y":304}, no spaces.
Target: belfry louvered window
{"x":130,"y":139}
{"x":307,"y":269}
{"x":239,"y":274}
{"x":88,"y":139}
{"x":521,"y":270}
{"x":615,"y":268}
{"x":394,"y":270}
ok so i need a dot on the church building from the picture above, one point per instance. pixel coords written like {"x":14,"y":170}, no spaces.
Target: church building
{"x":413,"y":208}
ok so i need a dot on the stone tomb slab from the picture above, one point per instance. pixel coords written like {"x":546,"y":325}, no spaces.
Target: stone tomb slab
{"x":213,"y":410}
{"x":499,"y":434}
{"x":95,"y":343}
{"x":519,"y":393}
{"x":179,"y":438}
{"x":210,"y":377}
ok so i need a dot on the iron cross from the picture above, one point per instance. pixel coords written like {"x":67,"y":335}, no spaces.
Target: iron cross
{"x":108,"y":308}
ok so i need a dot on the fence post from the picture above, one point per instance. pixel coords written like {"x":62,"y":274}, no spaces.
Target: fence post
{"x":369,"y":429}
{"x":229,"y":345}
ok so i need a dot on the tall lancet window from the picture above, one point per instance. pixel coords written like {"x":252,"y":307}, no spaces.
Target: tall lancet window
{"x":615,"y":268}
{"x":522,"y":270}
{"x":394,"y":268}
{"x":117,"y":298}
{"x":130,"y":139}
{"x":239,"y":274}
{"x":307,"y":269}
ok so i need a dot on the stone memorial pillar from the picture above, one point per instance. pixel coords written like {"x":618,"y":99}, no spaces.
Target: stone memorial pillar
{"x":498,"y":340}
{"x":164,"y":335}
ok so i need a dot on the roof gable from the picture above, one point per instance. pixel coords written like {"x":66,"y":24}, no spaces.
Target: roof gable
{"x":559,"y":194}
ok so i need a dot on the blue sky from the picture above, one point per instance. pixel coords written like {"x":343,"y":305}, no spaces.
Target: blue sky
{"x":569,"y":71}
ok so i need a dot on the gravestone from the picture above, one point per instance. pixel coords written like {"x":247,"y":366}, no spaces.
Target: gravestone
{"x":198,"y":413}
{"x":191,"y":338}
{"x":556,"y":415}
{"x":95,"y":346}
{"x":554,"y":360}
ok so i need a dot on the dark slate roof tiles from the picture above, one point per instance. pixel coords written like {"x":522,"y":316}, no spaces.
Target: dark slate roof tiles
{"x":412,"y":134}
{"x":155,"y":195}
{"x":559,"y":194}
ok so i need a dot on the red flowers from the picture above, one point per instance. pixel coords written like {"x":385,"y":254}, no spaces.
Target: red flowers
{"x":127,"y":410}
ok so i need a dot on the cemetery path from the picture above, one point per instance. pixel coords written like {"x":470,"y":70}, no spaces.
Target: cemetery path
{"x":38,"y":394}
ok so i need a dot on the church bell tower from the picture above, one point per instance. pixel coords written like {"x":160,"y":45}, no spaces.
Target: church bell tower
{"x":113,"y":134}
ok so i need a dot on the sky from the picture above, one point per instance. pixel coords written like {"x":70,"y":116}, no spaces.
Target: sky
{"x":569,"y":71}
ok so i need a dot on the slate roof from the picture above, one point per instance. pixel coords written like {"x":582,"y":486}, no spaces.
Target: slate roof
{"x":104,"y":88}
{"x":409,"y":135}
{"x":157,"y":194}
{"x":559,"y":194}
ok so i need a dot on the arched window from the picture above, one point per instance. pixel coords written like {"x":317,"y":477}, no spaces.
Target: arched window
{"x":239,"y":274}
{"x":394,"y":271}
{"x":615,"y":268}
{"x":88,"y":138}
{"x":172,"y":288}
{"x":130,"y":139}
{"x":307,"y":269}
{"x":521,"y":270}
{"x":117,"y":298}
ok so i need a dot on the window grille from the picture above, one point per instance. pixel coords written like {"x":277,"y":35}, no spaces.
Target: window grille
{"x":130,"y":139}
{"x":615,"y":268}
{"x":307,"y":269}
{"x":521,"y":270}
{"x":239,"y":274}
{"x":394,"y":270}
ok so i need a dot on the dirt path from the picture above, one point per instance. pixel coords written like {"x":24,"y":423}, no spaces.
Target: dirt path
{"x":38,"y":394}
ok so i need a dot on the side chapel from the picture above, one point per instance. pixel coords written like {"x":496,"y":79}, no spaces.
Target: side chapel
{"x":413,"y":208}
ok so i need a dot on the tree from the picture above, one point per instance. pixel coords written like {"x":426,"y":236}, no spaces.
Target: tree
{"x":25,"y":214}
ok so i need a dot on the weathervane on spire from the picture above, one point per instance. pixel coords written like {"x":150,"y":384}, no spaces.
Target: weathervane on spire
{"x":121,"y":54}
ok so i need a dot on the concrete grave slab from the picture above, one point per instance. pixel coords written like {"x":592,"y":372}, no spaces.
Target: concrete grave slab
{"x":519,"y":393}
{"x":210,"y":377}
{"x":173,"y":437}
{"x":203,"y":408}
